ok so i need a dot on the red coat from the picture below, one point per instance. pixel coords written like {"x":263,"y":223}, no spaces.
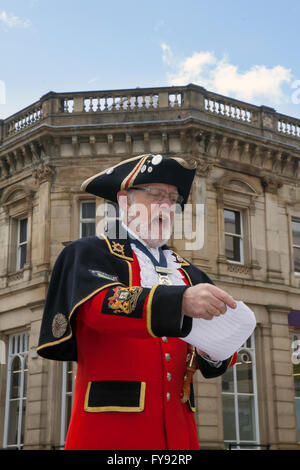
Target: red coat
{"x":128,"y":382}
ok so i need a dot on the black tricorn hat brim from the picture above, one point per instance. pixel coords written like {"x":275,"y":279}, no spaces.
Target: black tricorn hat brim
{"x":143,"y":169}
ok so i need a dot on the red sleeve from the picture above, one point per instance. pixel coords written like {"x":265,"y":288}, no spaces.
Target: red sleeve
{"x":138,"y":311}
{"x":233,"y":360}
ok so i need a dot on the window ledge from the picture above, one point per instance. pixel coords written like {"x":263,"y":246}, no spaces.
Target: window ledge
{"x":20,"y":275}
{"x":238,"y":267}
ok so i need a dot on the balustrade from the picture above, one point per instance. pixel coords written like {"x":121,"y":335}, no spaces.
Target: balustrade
{"x":53,"y":105}
{"x":228,"y":109}
{"x":288,"y":127}
{"x":24,"y":120}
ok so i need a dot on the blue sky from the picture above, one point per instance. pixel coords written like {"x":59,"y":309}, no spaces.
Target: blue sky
{"x":246,"y":50}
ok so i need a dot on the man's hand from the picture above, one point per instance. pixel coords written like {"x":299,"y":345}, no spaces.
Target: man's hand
{"x":205,"y":301}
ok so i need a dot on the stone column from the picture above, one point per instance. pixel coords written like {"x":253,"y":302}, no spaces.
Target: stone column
{"x":43,"y":175}
{"x":203,"y":219}
{"x":271,"y":187}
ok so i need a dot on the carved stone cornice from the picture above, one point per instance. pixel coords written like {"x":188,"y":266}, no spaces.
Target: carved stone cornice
{"x":271,"y":184}
{"x":204,"y":168}
{"x":43,"y":173}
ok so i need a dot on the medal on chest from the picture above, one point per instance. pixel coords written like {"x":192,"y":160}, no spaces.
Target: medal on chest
{"x":163,"y":277}
{"x":160,"y":266}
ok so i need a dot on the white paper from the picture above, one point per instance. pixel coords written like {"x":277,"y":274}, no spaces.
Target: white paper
{"x":223,"y":335}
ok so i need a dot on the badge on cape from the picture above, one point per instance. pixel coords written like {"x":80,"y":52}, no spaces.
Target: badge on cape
{"x":111,"y":277}
{"x":59,"y":325}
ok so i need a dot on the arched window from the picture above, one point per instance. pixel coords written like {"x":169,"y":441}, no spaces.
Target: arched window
{"x":239,"y":395}
{"x":15,"y":406}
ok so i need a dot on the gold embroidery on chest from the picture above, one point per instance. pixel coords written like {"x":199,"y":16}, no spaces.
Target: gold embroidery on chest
{"x":118,"y":248}
{"x":124,"y":299}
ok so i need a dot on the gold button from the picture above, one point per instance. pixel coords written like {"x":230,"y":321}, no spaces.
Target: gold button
{"x":165,"y":339}
{"x":168,"y":396}
{"x":169,"y":376}
{"x":168,"y":357}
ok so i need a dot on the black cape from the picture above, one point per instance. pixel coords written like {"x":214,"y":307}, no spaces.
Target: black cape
{"x":84,"y":268}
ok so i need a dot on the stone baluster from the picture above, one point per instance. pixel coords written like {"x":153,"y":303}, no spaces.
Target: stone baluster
{"x":98,"y":104}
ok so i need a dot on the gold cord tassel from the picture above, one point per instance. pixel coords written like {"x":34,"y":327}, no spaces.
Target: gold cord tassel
{"x":188,"y":378}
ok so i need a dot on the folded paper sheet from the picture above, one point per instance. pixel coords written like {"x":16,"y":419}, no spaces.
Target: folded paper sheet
{"x":223,"y":335}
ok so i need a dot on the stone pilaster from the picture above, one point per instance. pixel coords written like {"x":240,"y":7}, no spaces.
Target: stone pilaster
{"x":209,"y":417}
{"x":274,"y":272}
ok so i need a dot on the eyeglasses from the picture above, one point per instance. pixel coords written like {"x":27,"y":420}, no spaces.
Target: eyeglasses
{"x":159,"y":195}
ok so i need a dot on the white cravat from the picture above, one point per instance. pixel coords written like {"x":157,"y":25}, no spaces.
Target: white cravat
{"x":148,"y":274}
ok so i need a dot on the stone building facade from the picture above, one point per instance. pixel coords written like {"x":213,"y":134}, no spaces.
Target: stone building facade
{"x":248,"y":180}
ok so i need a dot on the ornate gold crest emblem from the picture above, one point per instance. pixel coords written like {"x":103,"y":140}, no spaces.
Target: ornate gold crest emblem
{"x":124,"y":299}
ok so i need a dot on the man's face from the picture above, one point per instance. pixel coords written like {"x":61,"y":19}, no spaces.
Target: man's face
{"x":149,"y":211}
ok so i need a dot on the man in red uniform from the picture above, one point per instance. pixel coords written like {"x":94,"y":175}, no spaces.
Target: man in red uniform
{"x":118,"y":304}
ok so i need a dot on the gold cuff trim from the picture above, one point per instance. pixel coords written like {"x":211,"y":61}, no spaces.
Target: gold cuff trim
{"x":149,"y":310}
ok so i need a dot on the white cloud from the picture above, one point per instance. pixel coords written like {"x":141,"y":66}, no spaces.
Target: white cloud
{"x":10,"y":20}
{"x":259,"y":83}
{"x":92,"y":80}
{"x":167,"y":54}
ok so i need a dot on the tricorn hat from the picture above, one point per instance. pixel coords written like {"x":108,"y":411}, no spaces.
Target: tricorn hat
{"x":141,"y":170}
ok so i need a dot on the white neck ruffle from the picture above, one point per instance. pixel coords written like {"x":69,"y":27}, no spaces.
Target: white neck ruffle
{"x":149,"y":277}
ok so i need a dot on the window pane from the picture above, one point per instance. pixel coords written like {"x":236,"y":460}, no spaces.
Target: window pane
{"x":244,"y":373}
{"x":297,"y":259}
{"x":232,"y":248}
{"x":12,"y":437}
{"x":69,"y":377}
{"x":298,"y":416}
{"x":227,"y":380}
{"x":23,"y":231}
{"x":232,"y":222}
{"x":246,"y":418}
{"x":88,"y":229}
{"x":23,"y":420}
{"x":229,"y":418}
{"x":25,"y":378}
{"x":23,"y":251}
{"x":88,"y":210}
{"x":296,"y":371}
{"x":15,"y":378}
{"x":296,"y":232}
